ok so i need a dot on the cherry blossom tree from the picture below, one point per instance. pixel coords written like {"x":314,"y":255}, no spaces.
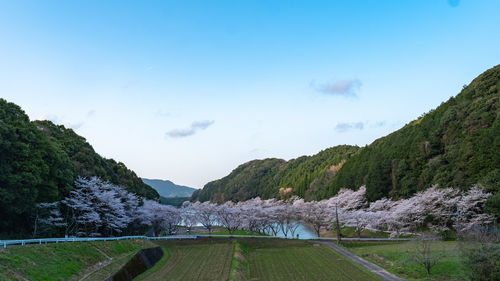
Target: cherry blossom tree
{"x":359,"y":219}
{"x":206,"y":213}
{"x":47,"y":217}
{"x":314,"y":213}
{"x":229,"y":216}
{"x":189,"y":216}
{"x":171,"y":219}
{"x":470,"y":210}
{"x":82,"y":216}
{"x":152,"y":214}
{"x":287,"y":218}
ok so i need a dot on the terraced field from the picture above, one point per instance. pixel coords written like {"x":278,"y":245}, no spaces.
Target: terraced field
{"x":194,"y":261}
{"x":253,"y":259}
{"x":302,"y":261}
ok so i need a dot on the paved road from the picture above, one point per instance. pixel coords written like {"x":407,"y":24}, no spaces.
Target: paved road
{"x":375,"y":269}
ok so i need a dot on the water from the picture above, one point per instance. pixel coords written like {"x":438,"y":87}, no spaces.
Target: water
{"x":303,"y":231}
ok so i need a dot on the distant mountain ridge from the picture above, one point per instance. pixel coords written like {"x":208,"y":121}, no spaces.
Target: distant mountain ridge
{"x":455,"y":145}
{"x":168,"y":189}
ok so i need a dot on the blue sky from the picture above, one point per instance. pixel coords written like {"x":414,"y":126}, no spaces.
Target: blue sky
{"x":188,"y":90}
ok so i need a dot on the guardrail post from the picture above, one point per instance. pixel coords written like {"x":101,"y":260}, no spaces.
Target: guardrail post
{"x":40,"y":242}
{"x":5,"y":244}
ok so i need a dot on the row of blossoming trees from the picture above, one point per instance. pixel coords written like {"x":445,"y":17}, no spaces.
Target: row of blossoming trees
{"x":96,"y":208}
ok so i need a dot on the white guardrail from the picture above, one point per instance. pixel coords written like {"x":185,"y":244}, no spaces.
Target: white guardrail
{"x":5,"y":243}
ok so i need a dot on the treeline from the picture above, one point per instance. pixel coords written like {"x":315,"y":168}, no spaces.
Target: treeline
{"x":455,"y":145}
{"x":39,"y":162}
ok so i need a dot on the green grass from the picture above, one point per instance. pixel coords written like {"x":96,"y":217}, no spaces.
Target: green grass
{"x":240,"y":268}
{"x":298,"y":260}
{"x":63,"y":260}
{"x":396,"y":258}
{"x":194,"y":260}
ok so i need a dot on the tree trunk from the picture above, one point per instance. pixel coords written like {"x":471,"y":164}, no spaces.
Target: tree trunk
{"x":338,"y":224}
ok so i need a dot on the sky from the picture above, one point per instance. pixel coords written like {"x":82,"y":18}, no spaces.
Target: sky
{"x":188,"y":90}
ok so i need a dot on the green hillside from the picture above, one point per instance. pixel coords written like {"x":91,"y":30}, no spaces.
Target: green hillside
{"x":455,"y":145}
{"x":89,"y":163}
{"x":39,"y":162}
{"x":306,"y":175}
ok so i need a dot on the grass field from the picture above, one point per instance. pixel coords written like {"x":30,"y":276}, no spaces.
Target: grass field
{"x":193,"y":260}
{"x":396,"y":258}
{"x":63,"y":261}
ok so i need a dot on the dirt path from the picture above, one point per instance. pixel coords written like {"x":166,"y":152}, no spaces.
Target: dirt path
{"x":375,"y":269}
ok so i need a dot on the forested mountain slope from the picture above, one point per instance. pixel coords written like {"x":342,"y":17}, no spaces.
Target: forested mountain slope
{"x":455,"y":145}
{"x":88,"y":163}
{"x":39,"y":162}
{"x":306,"y":175}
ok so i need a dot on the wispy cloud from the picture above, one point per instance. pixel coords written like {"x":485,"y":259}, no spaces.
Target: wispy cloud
{"x":346,"y":88}
{"x":162,"y":113}
{"x":344,"y":127}
{"x":193,"y":129}
{"x":349,"y":126}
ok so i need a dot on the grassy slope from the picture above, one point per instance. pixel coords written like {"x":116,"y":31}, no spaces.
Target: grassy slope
{"x":395,"y":258}
{"x":64,"y":260}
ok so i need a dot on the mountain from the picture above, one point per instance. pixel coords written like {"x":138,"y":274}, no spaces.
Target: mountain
{"x":455,"y":145}
{"x":39,"y":161}
{"x":167,"y":188}
{"x":306,"y":175}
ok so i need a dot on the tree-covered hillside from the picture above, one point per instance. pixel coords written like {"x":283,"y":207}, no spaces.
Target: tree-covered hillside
{"x":88,"y":163}
{"x":263,"y":178}
{"x":39,"y":162}
{"x":455,"y":145}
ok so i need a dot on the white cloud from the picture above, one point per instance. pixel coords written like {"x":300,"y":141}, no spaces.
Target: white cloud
{"x":193,"y":129}
{"x":346,"y":88}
